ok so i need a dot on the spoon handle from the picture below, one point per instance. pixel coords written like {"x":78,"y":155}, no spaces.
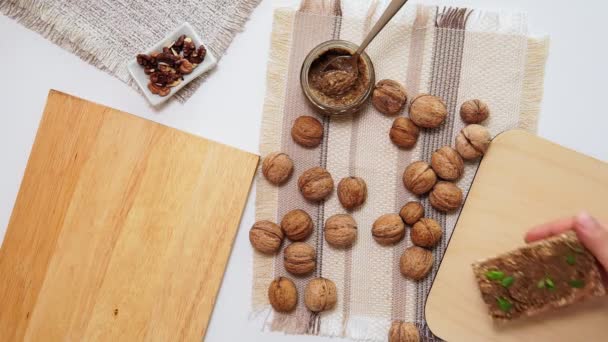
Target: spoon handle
{"x":388,"y":14}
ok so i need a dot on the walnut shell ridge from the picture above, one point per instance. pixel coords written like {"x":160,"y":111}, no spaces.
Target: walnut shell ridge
{"x":428,"y":111}
{"x":277,"y":167}
{"x":315,"y":184}
{"x":266,"y":237}
{"x":283,"y":295}
{"x":416,"y":263}
{"x":299,"y":258}
{"x":388,"y":229}
{"x":320,"y":295}
{"x":419,"y":178}
{"x":297,"y":225}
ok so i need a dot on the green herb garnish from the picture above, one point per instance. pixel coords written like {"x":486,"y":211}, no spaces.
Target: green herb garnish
{"x":571,"y":259}
{"x":546,"y":282}
{"x":495,"y":275}
{"x":577,"y":283}
{"x":504,"y":304}
{"x":507,"y":282}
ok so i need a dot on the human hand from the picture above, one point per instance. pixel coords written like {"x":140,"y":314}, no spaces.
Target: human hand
{"x":592,"y":234}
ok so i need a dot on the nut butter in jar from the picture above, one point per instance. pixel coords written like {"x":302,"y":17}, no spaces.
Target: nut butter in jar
{"x":336,"y":90}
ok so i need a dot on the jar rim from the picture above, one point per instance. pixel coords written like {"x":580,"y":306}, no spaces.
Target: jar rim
{"x":324,"y":107}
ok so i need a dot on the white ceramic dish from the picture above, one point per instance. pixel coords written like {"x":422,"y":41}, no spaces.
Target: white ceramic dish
{"x":137,"y":72}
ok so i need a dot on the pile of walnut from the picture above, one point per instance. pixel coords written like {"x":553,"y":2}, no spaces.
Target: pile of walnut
{"x":167,"y":68}
{"x":435,"y":179}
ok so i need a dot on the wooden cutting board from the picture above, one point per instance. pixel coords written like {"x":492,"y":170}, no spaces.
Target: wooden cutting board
{"x":522,"y":181}
{"x":121,"y":230}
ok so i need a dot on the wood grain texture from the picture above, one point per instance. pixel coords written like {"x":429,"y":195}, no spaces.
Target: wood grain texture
{"x":121,"y":230}
{"x":522,"y":181}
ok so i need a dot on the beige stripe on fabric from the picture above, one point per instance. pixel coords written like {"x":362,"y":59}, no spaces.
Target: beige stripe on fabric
{"x":309,"y":31}
{"x":266,"y":193}
{"x":403,"y":289}
{"x":376,"y":158}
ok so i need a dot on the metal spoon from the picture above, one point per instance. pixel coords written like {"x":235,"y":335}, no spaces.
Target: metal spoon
{"x":353,"y":59}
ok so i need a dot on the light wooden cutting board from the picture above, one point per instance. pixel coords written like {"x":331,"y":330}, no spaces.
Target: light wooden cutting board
{"x":121,"y":230}
{"x":522,"y":181}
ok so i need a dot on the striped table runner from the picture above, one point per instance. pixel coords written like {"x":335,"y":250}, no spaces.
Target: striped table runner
{"x":457,"y":54}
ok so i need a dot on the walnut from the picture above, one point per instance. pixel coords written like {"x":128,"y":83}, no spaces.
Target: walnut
{"x":419,"y":178}
{"x":146,"y":61}
{"x":283,"y":295}
{"x":428,"y":111}
{"x":297,"y":225}
{"x":320,"y":295}
{"x":389,"y":97}
{"x":266,"y":237}
{"x":388,"y":229}
{"x":473,"y":141}
{"x":189,"y":47}
{"x":184,"y":66}
{"x":340,"y":230}
{"x":446,"y":197}
{"x":316,"y":184}
{"x":411,"y":212}
{"x":416,"y":263}
{"x":300,"y":258}
{"x":307,"y":131}
{"x":474,"y":111}
{"x":403,"y":332}
{"x":352,"y":192}
{"x":158,"y":89}
{"x":277,"y":167}
{"x":197,"y":56}
{"x":447,"y":163}
{"x":404,"y":133}
{"x":426,"y":232}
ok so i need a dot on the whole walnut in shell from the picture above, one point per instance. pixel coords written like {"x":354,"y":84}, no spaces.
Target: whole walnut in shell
{"x":315,"y":184}
{"x":403,"y":332}
{"x":320,"y":295}
{"x":307,"y":131}
{"x":411,"y":212}
{"x":446,"y":197}
{"x":297,"y":225}
{"x":416,"y":263}
{"x":473,"y":141}
{"x":404,"y":133}
{"x":447,"y":163}
{"x":277,"y":167}
{"x":299,"y":258}
{"x":266,"y":237}
{"x":426,"y":232}
{"x":388,"y":229}
{"x":474,"y":111}
{"x":340,"y":230}
{"x":283,"y":295}
{"x":389,"y":97}
{"x":419,"y":178}
{"x":352,"y":192}
{"x":428,"y":111}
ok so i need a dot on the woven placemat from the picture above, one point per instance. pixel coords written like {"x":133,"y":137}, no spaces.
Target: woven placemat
{"x":457,"y":54}
{"x":109,"y":34}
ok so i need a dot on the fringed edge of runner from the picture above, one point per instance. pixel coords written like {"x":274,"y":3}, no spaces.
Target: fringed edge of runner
{"x":272,"y":117}
{"x":533,"y":85}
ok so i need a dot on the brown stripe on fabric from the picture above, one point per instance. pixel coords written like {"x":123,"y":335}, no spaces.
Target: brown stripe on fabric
{"x":445,"y":79}
{"x":323,"y":162}
{"x":412,"y":84}
{"x":310,"y":29}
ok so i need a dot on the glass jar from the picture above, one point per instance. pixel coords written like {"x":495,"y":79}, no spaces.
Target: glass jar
{"x":313,"y":95}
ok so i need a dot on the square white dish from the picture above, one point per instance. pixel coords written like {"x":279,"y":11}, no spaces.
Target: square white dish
{"x":142,"y":80}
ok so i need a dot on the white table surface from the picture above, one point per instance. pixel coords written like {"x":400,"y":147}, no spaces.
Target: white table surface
{"x":574,"y":111}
